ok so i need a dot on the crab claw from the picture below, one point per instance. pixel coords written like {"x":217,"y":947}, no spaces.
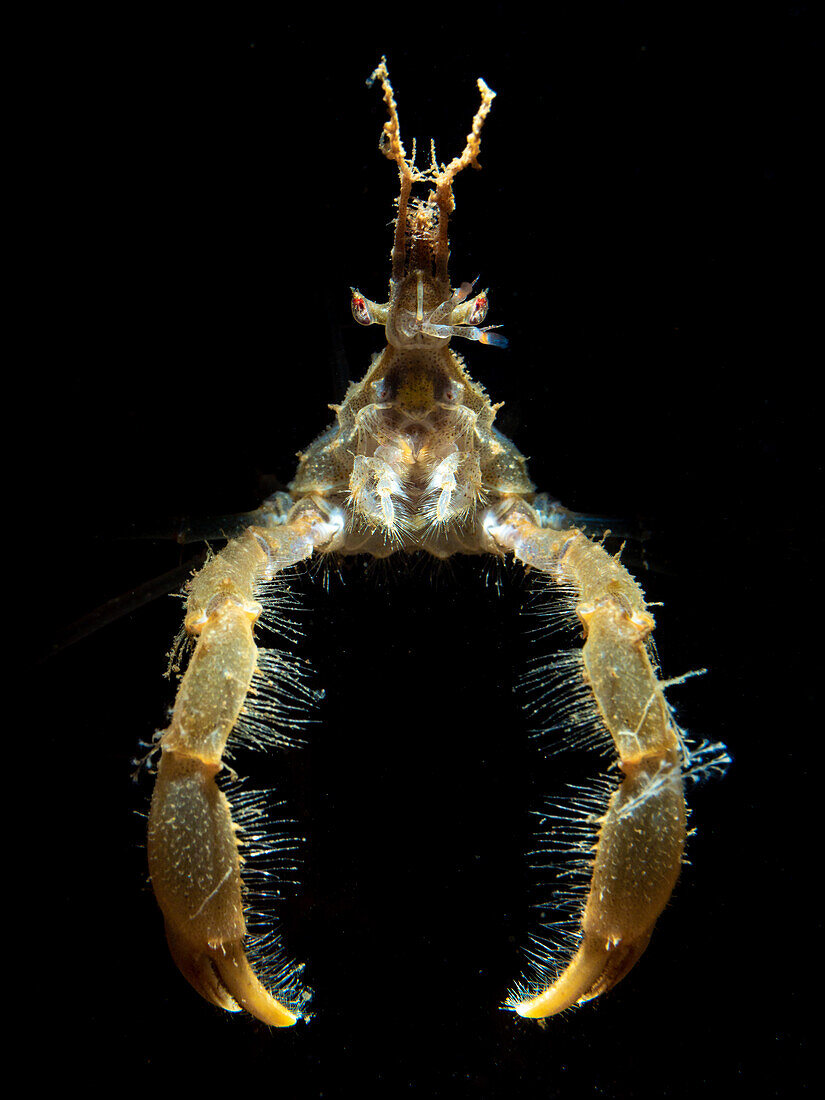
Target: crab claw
{"x":596,"y":967}
{"x":222,"y":975}
{"x":195,"y":868}
{"x":638,"y":857}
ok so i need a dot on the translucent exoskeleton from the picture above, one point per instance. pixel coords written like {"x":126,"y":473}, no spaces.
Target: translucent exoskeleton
{"x":413,"y":463}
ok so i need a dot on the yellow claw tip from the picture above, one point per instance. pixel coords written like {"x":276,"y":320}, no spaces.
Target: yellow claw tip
{"x":243,"y":986}
{"x":224,"y":977}
{"x":596,"y":967}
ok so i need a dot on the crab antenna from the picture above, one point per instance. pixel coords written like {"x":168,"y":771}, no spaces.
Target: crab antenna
{"x":444,"y":181}
{"x":393,"y":149}
{"x":441,"y":177}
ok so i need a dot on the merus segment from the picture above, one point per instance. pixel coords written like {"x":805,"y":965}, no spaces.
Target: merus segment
{"x":195,"y":860}
{"x":641,"y":836}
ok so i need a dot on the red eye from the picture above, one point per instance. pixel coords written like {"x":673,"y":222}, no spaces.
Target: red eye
{"x":479,"y":310}
{"x":361,"y":309}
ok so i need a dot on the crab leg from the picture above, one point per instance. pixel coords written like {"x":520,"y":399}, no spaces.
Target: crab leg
{"x":642,"y":834}
{"x":194,"y":862}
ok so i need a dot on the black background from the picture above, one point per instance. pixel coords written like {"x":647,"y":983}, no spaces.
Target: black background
{"x":202,"y":199}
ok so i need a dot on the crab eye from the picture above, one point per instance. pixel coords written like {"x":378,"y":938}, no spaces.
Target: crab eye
{"x":361,"y":308}
{"x":479,"y":309}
